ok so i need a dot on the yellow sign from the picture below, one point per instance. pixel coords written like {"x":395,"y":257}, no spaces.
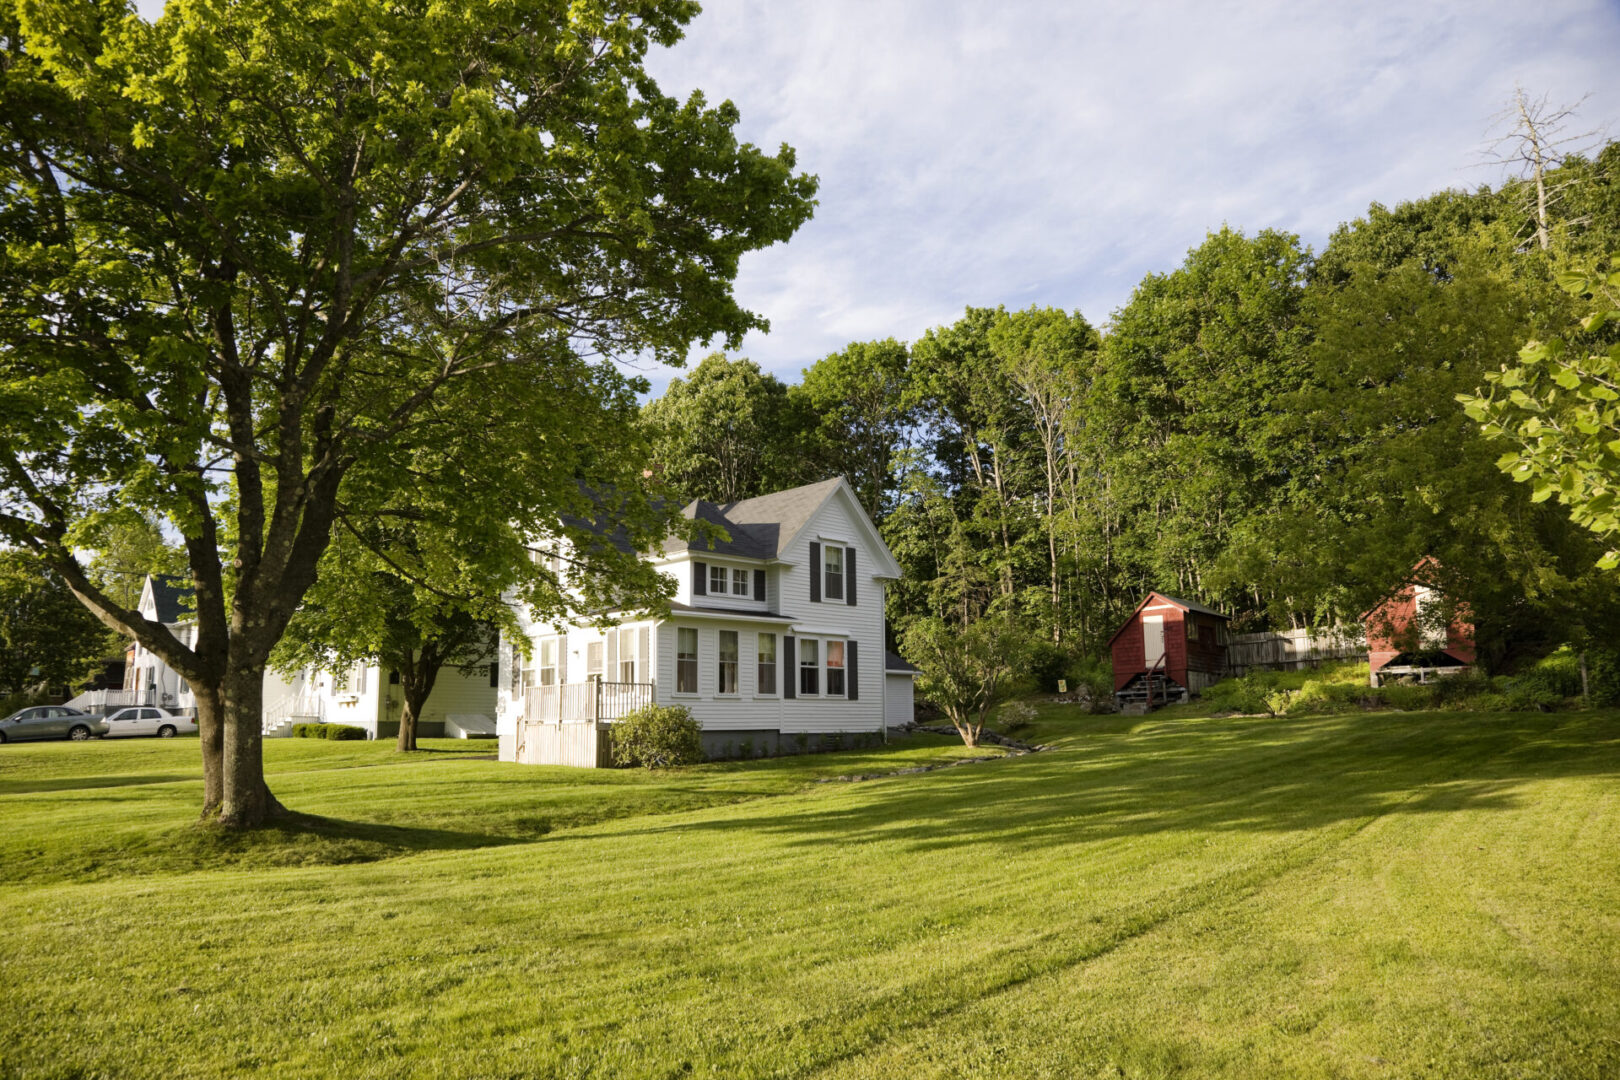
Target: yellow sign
{"x":1063,"y":686}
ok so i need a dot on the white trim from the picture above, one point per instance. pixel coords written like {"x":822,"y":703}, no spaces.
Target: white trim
{"x":900,"y":671}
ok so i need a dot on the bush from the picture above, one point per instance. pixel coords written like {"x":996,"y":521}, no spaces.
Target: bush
{"x":1244,"y":694}
{"x":657,"y":737}
{"x":334,"y":732}
{"x":1047,"y":664}
{"x":1015,"y":716}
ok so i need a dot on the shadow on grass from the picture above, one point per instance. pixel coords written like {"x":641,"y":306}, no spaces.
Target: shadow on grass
{"x":1211,"y":775}
{"x":77,"y":783}
{"x":293,"y":840}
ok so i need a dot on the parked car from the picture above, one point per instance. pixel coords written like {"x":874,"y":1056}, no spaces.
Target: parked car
{"x":146,"y":720}
{"x":50,"y":722}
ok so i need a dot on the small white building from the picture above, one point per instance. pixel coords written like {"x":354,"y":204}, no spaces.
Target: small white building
{"x":774,"y":641}
{"x":365,"y":695}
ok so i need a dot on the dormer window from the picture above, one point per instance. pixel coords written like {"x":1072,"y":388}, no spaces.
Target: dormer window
{"x":739,"y":582}
{"x":833,"y":561}
{"x":717,"y":581}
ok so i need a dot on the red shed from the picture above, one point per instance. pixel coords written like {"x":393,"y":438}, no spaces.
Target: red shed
{"x":1168,"y":646}
{"x":1405,"y":635}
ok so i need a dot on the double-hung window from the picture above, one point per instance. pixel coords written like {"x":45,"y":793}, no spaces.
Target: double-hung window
{"x":727,"y":683}
{"x":767,"y":664}
{"x":717,"y":580}
{"x":548,"y":662}
{"x":833,"y":559}
{"x":686,"y":660}
{"x":593,"y":660}
{"x":627,"y":654}
{"x":835,"y":669}
{"x":739,"y":582}
{"x":809,"y":667}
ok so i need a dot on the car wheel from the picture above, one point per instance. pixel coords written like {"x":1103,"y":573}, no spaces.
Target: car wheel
{"x":79,"y":733}
{"x":2,"y":737}
{"x":166,"y":731}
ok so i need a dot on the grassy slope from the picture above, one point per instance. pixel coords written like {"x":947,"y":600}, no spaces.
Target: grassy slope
{"x":1384,"y":895}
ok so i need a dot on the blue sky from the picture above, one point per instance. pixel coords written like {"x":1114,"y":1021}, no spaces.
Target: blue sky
{"x":1049,"y":153}
{"x":1026,"y":153}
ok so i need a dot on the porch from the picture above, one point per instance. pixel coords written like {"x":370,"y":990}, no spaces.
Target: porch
{"x":571,"y":724}
{"x":579,"y":703}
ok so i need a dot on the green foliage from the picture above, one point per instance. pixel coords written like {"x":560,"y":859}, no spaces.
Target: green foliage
{"x":296,"y":251}
{"x":657,"y":737}
{"x":1046,"y":663}
{"x":855,"y":418}
{"x":46,"y":636}
{"x":1015,"y":716}
{"x":724,"y":432}
{"x":330,"y":732}
{"x":968,"y":672}
{"x":1560,"y":407}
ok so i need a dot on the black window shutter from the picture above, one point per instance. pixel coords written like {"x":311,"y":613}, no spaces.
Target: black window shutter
{"x":852,"y":677}
{"x":815,"y":572}
{"x":759,"y":585}
{"x":700,"y":579}
{"x":789,"y":669}
{"x":849,"y":578}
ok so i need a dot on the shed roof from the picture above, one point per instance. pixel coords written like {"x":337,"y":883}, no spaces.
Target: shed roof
{"x":893,"y":661}
{"x":1185,"y":605}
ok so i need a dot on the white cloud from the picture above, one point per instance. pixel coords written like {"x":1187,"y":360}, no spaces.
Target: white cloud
{"x":1054,"y":153}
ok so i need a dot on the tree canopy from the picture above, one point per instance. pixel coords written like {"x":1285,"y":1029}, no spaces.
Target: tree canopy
{"x":248,"y":255}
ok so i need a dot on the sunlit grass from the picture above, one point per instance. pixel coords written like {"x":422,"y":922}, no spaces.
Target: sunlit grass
{"x":1371,"y":895}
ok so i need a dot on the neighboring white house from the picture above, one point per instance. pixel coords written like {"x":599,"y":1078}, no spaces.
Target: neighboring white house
{"x":369,"y":696}
{"x":774,"y":640}
{"x":363,"y":696}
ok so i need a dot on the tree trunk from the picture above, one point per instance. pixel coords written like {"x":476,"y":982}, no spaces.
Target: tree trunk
{"x":211,"y":735}
{"x":246,"y":801}
{"x":416,"y":695}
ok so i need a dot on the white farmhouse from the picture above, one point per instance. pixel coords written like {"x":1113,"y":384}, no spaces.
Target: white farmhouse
{"x":774,"y":641}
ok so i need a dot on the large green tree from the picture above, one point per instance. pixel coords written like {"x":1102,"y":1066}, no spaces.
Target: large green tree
{"x":46,"y":635}
{"x":853,"y":406}
{"x":725,"y":432}
{"x":251,"y":248}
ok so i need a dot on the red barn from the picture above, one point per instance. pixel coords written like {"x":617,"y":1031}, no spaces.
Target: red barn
{"x":1168,"y":649}
{"x":1409,"y":634}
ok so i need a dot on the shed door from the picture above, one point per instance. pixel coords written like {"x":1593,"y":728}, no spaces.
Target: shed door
{"x":1152,"y":639}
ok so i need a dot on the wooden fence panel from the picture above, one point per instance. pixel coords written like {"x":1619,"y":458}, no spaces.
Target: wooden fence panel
{"x":587,"y":746}
{"x":1283,"y":650}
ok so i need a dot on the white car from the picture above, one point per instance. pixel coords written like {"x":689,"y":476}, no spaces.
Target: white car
{"x":145,"y":720}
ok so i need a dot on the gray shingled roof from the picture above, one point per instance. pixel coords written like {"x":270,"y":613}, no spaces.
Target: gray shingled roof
{"x":760,"y":527}
{"x":893,"y":661}
{"x":172,"y":597}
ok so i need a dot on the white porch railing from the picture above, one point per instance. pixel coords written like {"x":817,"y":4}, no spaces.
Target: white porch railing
{"x":578,"y":703}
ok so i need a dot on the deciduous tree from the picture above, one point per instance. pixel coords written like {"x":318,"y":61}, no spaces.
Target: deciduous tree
{"x":258,"y":245}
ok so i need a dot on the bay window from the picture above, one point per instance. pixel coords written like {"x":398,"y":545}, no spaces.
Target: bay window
{"x":767,"y":664}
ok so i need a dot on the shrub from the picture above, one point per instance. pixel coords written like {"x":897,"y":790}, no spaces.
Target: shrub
{"x":1047,"y":664}
{"x":657,"y":737}
{"x":1015,"y":715}
{"x":1407,"y":697}
{"x":1318,"y":698}
{"x":1245,"y":694}
{"x":334,"y":732}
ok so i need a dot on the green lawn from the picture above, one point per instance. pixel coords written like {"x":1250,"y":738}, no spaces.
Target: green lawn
{"x":1390,"y":895}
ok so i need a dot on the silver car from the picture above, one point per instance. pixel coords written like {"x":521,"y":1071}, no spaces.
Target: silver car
{"x":50,"y":722}
{"x":145,"y":720}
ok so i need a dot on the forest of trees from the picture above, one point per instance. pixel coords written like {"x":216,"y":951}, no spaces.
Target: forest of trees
{"x":1264,"y":428}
